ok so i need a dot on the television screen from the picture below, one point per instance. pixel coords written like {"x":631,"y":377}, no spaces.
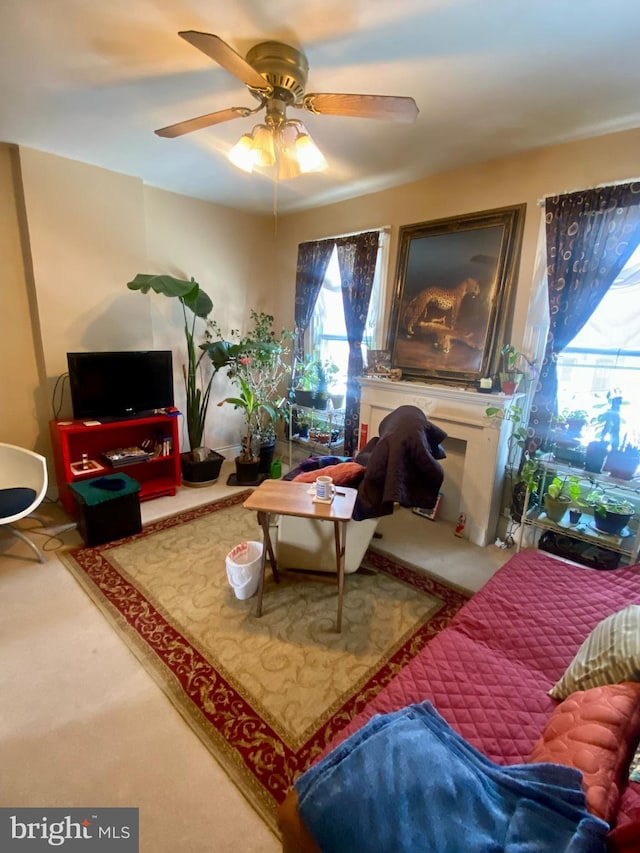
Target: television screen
{"x":119,"y":385}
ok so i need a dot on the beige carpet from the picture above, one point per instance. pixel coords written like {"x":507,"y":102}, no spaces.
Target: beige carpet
{"x":265,"y":695}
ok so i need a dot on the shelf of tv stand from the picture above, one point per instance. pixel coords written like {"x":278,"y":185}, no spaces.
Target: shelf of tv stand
{"x":157,"y":476}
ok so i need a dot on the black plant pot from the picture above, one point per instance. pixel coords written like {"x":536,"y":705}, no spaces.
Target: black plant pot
{"x":320,"y":400}
{"x":574,"y":515}
{"x":612,"y":523}
{"x":621,"y":465}
{"x":304,"y":398}
{"x":266,"y":457}
{"x":595,"y":455}
{"x":247,"y":473}
{"x":200,"y":472}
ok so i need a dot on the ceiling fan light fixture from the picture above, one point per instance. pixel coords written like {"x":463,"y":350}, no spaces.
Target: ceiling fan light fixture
{"x":242,"y":154}
{"x":308,"y":154}
{"x":264,"y":146}
{"x":288,"y":166}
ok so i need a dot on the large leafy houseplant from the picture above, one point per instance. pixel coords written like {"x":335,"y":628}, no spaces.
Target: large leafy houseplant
{"x":198,"y":377}
{"x":258,"y":363}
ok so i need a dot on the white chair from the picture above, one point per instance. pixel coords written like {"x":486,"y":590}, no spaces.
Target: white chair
{"x":23,"y":485}
{"x":307,"y":543}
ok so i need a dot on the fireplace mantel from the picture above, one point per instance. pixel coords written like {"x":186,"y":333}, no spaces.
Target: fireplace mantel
{"x":461,"y":414}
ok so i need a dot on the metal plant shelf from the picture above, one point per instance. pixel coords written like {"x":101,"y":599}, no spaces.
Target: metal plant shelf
{"x":333,"y":419}
{"x":536,"y":519}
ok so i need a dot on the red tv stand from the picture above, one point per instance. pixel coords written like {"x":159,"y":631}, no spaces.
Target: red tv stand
{"x":157,"y":476}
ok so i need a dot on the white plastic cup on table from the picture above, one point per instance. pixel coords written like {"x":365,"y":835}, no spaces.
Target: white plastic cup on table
{"x":324,"y":488}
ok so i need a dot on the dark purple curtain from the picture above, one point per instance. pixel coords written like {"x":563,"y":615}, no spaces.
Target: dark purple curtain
{"x":590,"y":236}
{"x":357,"y":257}
{"x":313,"y":260}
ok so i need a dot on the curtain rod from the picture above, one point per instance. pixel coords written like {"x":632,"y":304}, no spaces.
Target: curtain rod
{"x":384,"y":228}
{"x":541,"y":201}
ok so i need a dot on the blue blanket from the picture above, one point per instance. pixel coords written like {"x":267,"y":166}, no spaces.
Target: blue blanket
{"x":407,"y":782}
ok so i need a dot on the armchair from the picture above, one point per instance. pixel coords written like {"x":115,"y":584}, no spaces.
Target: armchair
{"x":23,"y":485}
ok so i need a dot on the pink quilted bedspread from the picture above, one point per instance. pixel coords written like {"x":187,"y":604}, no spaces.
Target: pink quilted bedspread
{"x":489,"y":671}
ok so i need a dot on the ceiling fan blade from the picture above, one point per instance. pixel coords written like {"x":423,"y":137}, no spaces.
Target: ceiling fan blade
{"x":387,"y":107}
{"x":182,"y":127}
{"x":224,"y":55}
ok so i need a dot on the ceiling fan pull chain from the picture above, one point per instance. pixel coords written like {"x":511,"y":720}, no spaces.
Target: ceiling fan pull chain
{"x":275,"y":203}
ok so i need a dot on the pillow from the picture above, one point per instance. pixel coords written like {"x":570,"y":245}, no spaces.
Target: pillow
{"x":634,"y":769}
{"x":342,"y":474}
{"x":595,"y":731}
{"x":610,"y":654}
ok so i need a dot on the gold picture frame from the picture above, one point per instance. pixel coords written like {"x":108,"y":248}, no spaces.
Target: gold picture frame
{"x":455,"y":279}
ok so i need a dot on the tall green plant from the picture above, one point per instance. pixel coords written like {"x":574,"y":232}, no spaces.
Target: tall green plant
{"x":252,"y":407}
{"x":197,"y":383}
{"x":262,"y":362}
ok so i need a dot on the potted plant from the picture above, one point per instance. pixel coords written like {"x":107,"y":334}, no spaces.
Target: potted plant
{"x":522,"y":466}
{"x":574,"y":420}
{"x":575,"y":510}
{"x":200,"y":465}
{"x":514,"y":367}
{"x":326,"y":370}
{"x":611,"y":514}
{"x":259,"y":367}
{"x":305,"y":380}
{"x":248,"y":462}
{"x":510,"y":372}
{"x":556,"y":501}
{"x":595,"y":455}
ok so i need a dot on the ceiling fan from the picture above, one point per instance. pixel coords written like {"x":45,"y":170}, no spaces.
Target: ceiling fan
{"x":276,"y":74}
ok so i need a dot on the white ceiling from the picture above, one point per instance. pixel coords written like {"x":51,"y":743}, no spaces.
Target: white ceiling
{"x":92,"y":79}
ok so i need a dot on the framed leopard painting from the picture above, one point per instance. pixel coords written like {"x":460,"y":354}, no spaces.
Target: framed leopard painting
{"x":455,"y":281}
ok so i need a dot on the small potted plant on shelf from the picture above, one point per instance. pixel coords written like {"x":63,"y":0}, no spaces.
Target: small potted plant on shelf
{"x":510,"y":369}
{"x":574,"y":420}
{"x":304,"y":381}
{"x":611,"y":514}
{"x":577,"y":504}
{"x":326,"y":370}
{"x":556,"y":500}
{"x":514,"y":367}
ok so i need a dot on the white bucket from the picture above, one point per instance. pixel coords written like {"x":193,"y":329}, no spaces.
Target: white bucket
{"x":243,"y":568}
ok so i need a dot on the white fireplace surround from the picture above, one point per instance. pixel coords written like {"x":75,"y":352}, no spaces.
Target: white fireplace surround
{"x":461,"y":414}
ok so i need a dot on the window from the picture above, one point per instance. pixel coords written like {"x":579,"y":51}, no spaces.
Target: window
{"x":327,"y":337}
{"x":604,"y":357}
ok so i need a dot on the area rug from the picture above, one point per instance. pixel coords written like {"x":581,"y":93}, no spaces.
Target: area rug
{"x":265,"y":695}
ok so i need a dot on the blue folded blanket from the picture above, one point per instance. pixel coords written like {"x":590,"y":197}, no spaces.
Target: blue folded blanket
{"x":407,"y":782}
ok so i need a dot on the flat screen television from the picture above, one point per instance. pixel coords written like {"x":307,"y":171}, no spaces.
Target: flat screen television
{"x":119,"y":385}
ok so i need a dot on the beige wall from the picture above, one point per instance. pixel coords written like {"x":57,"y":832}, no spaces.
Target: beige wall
{"x":87,"y":232}
{"x":229,"y":254}
{"x":511,"y":180}
{"x":19,"y":421}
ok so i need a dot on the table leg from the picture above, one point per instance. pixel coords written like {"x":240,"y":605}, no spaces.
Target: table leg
{"x":340,"y":529}
{"x":263,"y":519}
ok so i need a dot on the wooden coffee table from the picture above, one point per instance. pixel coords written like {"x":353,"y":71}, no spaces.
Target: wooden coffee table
{"x":282,"y":497}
